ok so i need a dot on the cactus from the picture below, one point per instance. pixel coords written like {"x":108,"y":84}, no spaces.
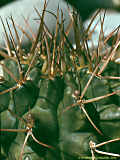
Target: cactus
{"x":57,"y":102}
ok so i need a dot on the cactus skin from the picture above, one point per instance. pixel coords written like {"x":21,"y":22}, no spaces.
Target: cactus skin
{"x":5,"y":98}
{"x":75,"y":130}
